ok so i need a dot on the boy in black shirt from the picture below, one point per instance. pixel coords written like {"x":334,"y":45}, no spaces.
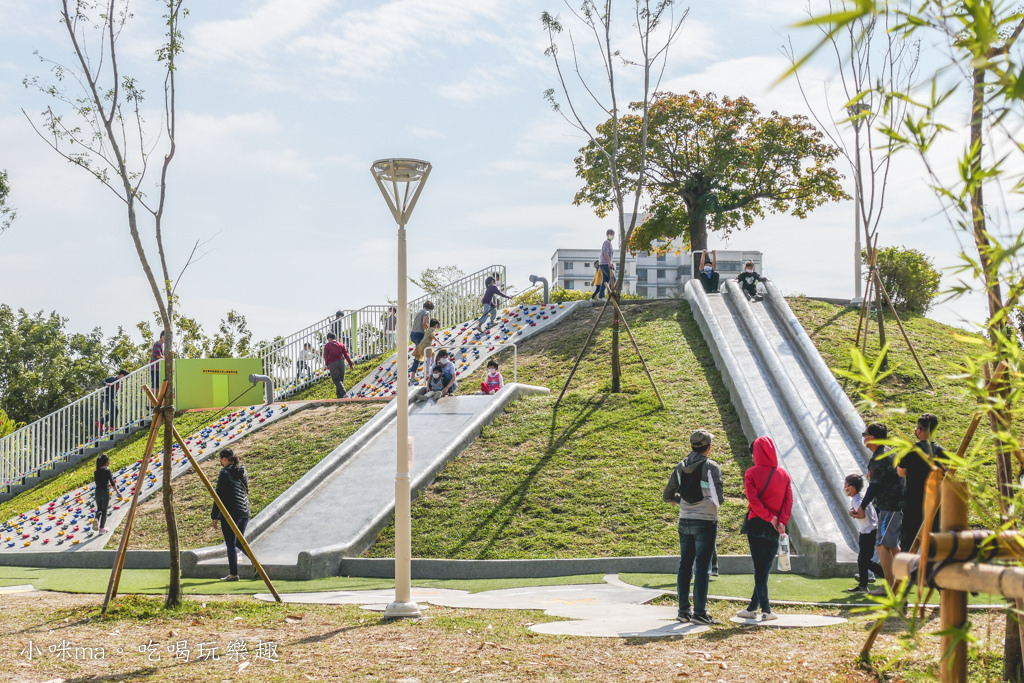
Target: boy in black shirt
{"x":708,"y":274}
{"x":885,"y":490}
{"x":748,"y":280}
{"x":915,"y":468}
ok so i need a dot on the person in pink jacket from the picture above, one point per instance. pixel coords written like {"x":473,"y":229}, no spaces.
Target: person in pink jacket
{"x":769,"y":492}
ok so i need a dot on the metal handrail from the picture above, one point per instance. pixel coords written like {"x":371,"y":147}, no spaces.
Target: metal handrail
{"x":68,"y":431}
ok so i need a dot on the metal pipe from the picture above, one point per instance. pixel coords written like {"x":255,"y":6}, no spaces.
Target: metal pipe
{"x":268,"y":386}
{"x":534,"y":279}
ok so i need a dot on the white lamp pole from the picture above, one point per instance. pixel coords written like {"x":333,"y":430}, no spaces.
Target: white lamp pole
{"x":400,"y":181}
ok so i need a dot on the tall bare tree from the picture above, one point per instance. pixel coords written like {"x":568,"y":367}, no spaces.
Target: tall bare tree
{"x":873,"y":60}
{"x":99,"y":123}
{"x":656,"y":28}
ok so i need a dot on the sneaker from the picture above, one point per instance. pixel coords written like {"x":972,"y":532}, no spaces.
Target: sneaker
{"x":684,"y":617}
{"x":230,"y":577}
{"x":104,"y":530}
{"x":871,"y":578}
{"x":747,"y":614}
{"x":857,"y":589}
{"x":769,"y":616}
{"x":714,"y":571}
{"x":878,"y":591}
{"x":703,"y":619}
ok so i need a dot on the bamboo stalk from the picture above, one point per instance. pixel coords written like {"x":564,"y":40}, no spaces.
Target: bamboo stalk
{"x":953,"y":602}
{"x":971,"y":577}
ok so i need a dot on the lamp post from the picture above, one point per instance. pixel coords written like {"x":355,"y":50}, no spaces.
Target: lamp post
{"x":857,"y":112}
{"x":401,"y":181}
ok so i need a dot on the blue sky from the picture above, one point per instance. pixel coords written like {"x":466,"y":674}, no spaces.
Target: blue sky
{"x":283,"y":105}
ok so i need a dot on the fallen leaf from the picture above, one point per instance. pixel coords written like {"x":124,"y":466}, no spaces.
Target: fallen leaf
{"x":296,"y":617}
{"x":172,"y":634}
{"x":455,"y":670}
{"x":237,"y":619}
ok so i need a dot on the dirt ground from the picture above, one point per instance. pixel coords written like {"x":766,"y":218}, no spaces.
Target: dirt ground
{"x":60,"y":637}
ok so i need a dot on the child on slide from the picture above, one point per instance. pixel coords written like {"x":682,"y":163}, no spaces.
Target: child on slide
{"x":748,"y":280}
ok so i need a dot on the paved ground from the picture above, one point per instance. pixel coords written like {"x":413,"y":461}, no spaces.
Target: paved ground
{"x":610,"y":610}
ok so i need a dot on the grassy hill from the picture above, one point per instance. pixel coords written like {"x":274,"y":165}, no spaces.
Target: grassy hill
{"x":584,"y":480}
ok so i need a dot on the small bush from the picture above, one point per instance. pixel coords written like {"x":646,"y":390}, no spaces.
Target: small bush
{"x":909,"y":278}
{"x":558,"y":295}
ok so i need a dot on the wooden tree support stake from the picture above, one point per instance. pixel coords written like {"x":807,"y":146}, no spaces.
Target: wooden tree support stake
{"x":636,"y":348}
{"x":122,"y":548}
{"x":583,"y":352}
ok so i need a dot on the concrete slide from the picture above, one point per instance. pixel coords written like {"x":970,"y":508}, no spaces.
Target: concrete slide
{"x":781,"y":387}
{"x":338,"y":507}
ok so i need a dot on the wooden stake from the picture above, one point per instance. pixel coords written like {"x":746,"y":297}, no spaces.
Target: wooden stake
{"x":582,"y":352}
{"x":637,"y":349}
{"x":122,"y":548}
{"x":953,"y":603}
{"x":899,"y":322}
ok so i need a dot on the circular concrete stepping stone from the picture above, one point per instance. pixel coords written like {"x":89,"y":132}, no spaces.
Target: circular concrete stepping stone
{"x":616,"y":628}
{"x":792,"y":621}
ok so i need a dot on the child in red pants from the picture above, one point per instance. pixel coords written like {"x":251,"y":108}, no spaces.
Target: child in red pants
{"x":493,"y":381}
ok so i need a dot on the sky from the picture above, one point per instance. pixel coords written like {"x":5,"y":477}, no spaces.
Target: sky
{"x":284,"y":105}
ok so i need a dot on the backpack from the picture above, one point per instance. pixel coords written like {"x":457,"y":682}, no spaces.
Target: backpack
{"x":690,"y":488}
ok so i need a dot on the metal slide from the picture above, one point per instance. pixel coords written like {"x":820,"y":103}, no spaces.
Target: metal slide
{"x":338,"y":507}
{"x":782,"y":388}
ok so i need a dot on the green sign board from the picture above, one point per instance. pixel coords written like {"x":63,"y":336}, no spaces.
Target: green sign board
{"x":217,"y":382}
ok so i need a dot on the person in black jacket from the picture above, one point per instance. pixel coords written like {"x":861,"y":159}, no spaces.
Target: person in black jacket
{"x":233,"y":491}
{"x":748,"y":280}
{"x":104,"y":483}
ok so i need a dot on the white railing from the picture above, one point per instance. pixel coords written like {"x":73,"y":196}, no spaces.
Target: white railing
{"x":460,"y":301}
{"x":110,"y":410}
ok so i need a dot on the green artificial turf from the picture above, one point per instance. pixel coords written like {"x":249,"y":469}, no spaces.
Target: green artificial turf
{"x":154,"y":581}
{"x":785,"y":586}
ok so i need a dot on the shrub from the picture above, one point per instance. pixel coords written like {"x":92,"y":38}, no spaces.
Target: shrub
{"x":558,"y":295}
{"x":909,"y":278}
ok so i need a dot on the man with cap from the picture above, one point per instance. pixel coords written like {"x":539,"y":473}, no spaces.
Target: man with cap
{"x":696,"y":487}
{"x":886,"y":491}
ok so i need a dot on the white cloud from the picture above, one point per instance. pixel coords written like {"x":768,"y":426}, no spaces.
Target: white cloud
{"x":481,"y":83}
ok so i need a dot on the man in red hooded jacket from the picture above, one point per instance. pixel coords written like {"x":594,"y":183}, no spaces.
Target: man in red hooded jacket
{"x":769,"y":494}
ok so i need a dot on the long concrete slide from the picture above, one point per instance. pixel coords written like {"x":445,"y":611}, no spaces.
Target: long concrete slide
{"x":337,"y":508}
{"x":781,"y":387}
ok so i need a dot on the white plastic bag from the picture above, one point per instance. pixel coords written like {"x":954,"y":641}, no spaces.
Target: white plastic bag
{"x":784,"y":565}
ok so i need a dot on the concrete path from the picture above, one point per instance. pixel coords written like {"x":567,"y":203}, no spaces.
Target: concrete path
{"x":602,"y":610}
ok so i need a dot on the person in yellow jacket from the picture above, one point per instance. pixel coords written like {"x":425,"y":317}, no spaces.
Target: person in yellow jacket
{"x":598,"y":281}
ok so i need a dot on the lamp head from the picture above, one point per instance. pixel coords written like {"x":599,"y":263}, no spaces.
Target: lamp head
{"x":400,"y":181}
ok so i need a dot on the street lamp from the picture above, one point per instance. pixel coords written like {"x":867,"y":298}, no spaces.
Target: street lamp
{"x":401,"y":181}
{"x":857,"y":112}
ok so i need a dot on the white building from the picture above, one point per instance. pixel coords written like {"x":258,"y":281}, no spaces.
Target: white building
{"x":653,"y":276}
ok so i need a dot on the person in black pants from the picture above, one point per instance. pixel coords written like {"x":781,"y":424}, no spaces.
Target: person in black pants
{"x":867,"y":529}
{"x":233,"y":491}
{"x":104,"y":483}
{"x":915,"y":467}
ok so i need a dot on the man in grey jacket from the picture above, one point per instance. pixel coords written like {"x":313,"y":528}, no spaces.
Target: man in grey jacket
{"x":696,"y":486}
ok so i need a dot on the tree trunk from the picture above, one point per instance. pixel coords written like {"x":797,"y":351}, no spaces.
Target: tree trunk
{"x":879,"y":303}
{"x":698,"y":239}
{"x":174,"y":582}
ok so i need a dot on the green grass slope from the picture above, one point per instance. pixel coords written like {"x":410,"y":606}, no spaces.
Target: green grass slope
{"x":586,"y":481}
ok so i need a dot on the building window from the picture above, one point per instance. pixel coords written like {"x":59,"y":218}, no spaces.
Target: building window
{"x":661,"y":258}
{"x":568,"y":265}
{"x":642,"y":291}
{"x":661,"y":273}
{"x":567,"y":284}
{"x":641,"y":275}
{"x":662,"y":292}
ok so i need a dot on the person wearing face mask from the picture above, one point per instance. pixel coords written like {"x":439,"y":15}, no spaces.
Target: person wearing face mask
{"x":447,"y":369}
{"x":708,"y":275}
{"x":748,"y":280}
{"x":435,"y":384}
{"x":493,"y":381}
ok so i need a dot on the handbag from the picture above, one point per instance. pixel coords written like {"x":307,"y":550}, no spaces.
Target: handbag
{"x":746,"y":520}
